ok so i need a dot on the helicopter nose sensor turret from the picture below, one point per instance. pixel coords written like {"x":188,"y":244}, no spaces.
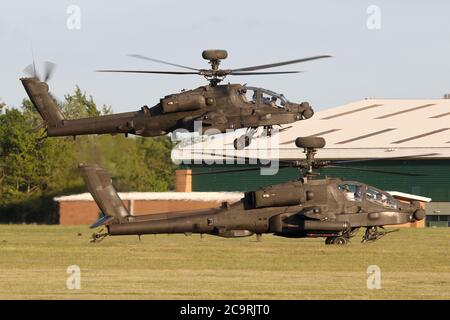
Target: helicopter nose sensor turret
{"x":413,"y":210}
{"x":306,"y":110}
{"x":419,"y":214}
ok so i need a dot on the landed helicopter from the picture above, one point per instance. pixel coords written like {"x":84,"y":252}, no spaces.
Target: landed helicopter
{"x":331,"y":208}
{"x":217,"y":108}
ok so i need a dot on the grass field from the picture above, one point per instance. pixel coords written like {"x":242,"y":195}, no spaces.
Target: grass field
{"x":415,"y":264}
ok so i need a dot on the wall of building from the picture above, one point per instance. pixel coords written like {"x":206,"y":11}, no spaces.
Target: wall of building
{"x":438,"y":214}
{"x":430,"y":178}
{"x":87,"y":212}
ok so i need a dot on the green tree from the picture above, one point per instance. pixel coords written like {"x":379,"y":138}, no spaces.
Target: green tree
{"x":2,"y":106}
{"x":138,"y":164}
{"x":34,"y":170}
{"x":79,"y":105}
{"x":18,"y":157}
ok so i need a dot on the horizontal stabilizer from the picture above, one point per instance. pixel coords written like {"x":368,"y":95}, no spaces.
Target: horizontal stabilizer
{"x":102,"y":221}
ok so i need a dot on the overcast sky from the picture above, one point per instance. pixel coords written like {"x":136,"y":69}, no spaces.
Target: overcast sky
{"x":407,"y":57}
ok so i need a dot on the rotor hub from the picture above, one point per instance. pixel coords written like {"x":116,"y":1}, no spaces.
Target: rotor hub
{"x":214,"y":75}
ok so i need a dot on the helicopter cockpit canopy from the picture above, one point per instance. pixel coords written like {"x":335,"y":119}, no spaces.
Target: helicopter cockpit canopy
{"x":263,"y":96}
{"x":354,"y":191}
{"x":380,"y":197}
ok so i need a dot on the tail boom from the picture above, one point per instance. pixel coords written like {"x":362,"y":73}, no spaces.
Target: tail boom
{"x":43,"y":101}
{"x":57,"y":126}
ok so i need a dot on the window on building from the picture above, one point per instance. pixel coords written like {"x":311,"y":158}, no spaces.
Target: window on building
{"x":437,"y":220}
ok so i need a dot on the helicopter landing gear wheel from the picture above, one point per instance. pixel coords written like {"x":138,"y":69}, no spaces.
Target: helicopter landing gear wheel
{"x":242,"y":142}
{"x":340,"y":240}
{"x":268,"y":131}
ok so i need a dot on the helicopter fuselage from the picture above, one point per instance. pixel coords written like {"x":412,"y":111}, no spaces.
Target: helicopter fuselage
{"x":317,"y":208}
{"x":209,"y":109}
{"x":219,"y":108}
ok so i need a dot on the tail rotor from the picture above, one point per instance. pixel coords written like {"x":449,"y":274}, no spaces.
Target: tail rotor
{"x":38,"y":92}
{"x":49,"y":69}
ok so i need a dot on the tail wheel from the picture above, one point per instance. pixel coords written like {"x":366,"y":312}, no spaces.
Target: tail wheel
{"x":239,"y":143}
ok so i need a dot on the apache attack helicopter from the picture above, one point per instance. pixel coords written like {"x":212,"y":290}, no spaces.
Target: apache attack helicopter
{"x":215,"y":106}
{"x":307,"y":207}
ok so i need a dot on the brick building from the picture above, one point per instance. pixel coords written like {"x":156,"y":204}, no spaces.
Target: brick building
{"x":81,"y":208}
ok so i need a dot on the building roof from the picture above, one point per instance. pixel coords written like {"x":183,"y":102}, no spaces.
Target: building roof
{"x":407,"y":196}
{"x":186,"y":196}
{"x":374,"y":128}
{"x":198,"y":196}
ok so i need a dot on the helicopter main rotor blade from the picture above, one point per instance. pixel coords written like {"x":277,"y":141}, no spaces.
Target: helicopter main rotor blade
{"x":378,"y":171}
{"x":381,"y":159}
{"x":148,"y":71}
{"x":283,"y":63}
{"x":261,"y":73}
{"x":244,"y":159}
{"x":139,"y":56}
{"x":226,"y":156}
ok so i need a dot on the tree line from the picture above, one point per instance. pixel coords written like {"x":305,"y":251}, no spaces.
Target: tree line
{"x":34,"y":169}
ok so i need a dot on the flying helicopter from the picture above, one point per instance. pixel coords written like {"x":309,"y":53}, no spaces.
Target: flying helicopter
{"x":217,"y":108}
{"x":307,"y":207}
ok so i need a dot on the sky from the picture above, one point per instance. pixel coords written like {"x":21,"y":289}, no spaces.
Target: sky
{"x":380,"y":49}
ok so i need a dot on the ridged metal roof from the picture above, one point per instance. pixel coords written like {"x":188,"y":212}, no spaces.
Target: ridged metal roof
{"x":374,"y":128}
{"x":180,"y":196}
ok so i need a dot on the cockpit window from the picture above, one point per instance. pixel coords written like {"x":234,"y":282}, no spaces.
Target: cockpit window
{"x":247,"y":95}
{"x":352,"y":191}
{"x":382,"y":198}
{"x":270,"y":100}
{"x":267,"y":97}
{"x":244,"y":95}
